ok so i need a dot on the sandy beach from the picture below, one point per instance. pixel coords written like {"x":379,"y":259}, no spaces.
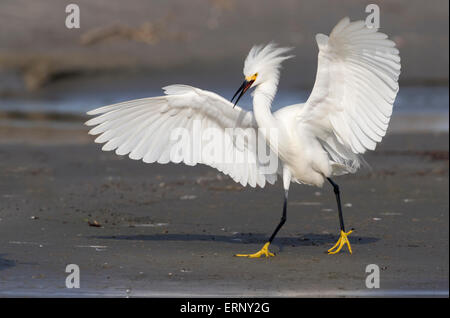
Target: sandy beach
{"x":168,"y":230}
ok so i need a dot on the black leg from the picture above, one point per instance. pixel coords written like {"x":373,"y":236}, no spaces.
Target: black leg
{"x":338,"y":199}
{"x":283,"y":217}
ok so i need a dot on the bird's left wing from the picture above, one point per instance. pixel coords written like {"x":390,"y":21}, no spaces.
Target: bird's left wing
{"x":356,"y":85}
{"x":187,"y":125}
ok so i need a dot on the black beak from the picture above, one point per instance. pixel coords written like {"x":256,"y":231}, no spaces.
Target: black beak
{"x":244,"y":87}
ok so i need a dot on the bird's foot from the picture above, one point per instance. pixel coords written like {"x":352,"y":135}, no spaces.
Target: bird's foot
{"x":340,"y":243}
{"x":263,"y":252}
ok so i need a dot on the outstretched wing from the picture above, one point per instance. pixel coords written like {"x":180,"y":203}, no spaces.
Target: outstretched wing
{"x":187,"y":125}
{"x":356,"y":84}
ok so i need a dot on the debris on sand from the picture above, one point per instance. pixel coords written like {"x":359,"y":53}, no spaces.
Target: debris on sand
{"x":98,"y":248}
{"x":149,"y":224}
{"x":231,"y":187}
{"x":26,"y":243}
{"x":184,"y":270}
{"x":305,"y":203}
{"x":94,"y":223}
{"x":391,"y":213}
{"x":188,"y":197}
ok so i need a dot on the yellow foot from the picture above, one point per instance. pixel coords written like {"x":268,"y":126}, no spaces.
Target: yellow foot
{"x":263,"y":252}
{"x":340,"y":243}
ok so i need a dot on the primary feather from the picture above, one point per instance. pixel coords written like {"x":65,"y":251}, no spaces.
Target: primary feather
{"x":356,"y":84}
{"x":142,"y":129}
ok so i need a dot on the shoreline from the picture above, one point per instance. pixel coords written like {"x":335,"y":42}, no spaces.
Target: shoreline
{"x":172,"y":230}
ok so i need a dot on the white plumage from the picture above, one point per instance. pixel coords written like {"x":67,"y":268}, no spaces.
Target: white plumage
{"x":142,"y":128}
{"x":347,"y":112}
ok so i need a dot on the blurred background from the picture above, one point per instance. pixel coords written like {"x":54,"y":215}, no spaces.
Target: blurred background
{"x":130,"y":49}
{"x":137,"y":229}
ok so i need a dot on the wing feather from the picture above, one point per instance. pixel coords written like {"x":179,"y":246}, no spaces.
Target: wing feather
{"x":355,"y":88}
{"x":142,"y":130}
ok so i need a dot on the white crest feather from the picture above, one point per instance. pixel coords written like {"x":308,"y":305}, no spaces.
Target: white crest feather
{"x":263,"y":59}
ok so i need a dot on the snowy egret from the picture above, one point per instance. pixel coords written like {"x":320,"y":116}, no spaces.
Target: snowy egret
{"x":347,"y":113}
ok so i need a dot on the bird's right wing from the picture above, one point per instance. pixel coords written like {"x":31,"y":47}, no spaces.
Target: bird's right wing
{"x":187,"y":125}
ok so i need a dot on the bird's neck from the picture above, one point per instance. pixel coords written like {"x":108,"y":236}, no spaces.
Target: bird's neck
{"x":262,"y":103}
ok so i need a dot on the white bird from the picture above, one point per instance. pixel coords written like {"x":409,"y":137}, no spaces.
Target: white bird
{"x":347,"y":113}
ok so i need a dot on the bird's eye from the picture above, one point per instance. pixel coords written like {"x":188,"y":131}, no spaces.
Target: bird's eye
{"x":253,"y":78}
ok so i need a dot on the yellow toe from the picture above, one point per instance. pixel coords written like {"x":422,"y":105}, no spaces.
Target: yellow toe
{"x":340,"y":243}
{"x":263,"y":252}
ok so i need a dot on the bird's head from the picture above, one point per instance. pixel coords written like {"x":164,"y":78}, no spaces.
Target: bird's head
{"x":262,"y":65}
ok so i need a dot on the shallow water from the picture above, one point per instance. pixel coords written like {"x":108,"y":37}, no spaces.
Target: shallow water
{"x":417,"y":108}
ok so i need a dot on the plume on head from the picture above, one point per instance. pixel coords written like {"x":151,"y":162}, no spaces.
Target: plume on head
{"x":265,"y":61}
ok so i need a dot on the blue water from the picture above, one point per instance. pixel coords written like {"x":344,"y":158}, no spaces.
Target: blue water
{"x":414,"y":99}
{"x":421,"y":102}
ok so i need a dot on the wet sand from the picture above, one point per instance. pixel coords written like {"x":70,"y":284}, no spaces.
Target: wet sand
{"x":171,"y":230}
